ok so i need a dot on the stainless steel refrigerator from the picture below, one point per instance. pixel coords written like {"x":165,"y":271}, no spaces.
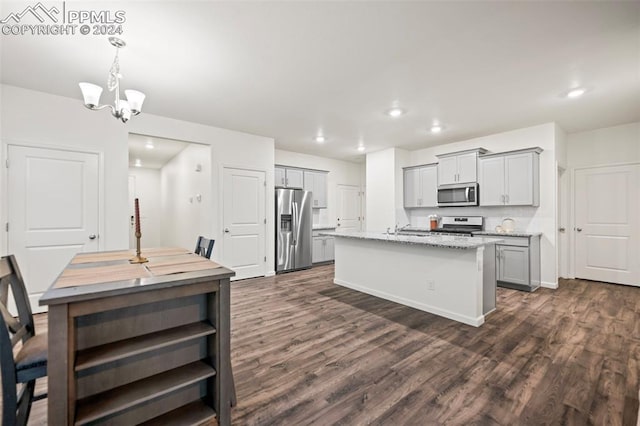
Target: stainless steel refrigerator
{"x":293,"y":229}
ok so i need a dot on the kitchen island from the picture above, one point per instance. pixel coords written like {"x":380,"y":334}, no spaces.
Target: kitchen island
{"x":446,"y":275}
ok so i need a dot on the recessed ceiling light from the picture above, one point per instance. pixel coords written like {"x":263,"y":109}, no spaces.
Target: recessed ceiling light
{"x":576,"y":92}
{"x":396,"y":112}
{"x":138,"y":163}
{"x":436,"y":128}
{"x":320,"y":139}
{"x":361,"y":148}
{"x":149,"y":145}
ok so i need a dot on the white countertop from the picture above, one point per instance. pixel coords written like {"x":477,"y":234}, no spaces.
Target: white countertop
{"x":508,"y":234}
{"x":319,"y":227}
{"x":432,"y":240}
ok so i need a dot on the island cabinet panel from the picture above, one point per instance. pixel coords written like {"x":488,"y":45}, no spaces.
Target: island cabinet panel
{"x":510,"y":179}
{"x":135,"y":351}
{"x":450,"y":276}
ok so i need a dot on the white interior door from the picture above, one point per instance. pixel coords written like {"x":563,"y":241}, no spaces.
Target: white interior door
{"x":607,"y":217}
{"x":348,"y":211}
{"x":53,"y":204}
{"x":244,"y":222}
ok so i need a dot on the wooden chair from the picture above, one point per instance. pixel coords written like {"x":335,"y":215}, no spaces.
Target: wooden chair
{"x":30,"y":361}
{"x":204,"y":247}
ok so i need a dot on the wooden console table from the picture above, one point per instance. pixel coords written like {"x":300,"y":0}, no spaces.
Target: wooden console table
{"x":139,"y":343}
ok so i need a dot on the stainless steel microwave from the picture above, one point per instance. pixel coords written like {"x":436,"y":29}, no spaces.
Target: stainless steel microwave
{"x":463,"y":194}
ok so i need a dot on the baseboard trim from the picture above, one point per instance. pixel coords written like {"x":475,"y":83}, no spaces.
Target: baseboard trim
{"x":476,"y":322}
{"x":270,"y":274}
{"x":553,"y":286}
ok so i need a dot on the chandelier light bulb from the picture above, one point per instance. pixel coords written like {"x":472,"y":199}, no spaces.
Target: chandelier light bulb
{"x":121,"y":109}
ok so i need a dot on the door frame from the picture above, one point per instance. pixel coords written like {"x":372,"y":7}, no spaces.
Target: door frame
{"x":572,"y":210}
{"x":269,"y":216}
{"x":4,"y":211}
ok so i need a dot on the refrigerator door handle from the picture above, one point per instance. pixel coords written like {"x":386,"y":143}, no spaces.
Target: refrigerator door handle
{"x":295,"y":219}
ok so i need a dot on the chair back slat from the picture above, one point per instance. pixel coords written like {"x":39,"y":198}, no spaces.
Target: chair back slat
{"x":10,"y":277}
{"x":12,"y":324}
{"x":16,"y":402}
{"x":204,"y":247}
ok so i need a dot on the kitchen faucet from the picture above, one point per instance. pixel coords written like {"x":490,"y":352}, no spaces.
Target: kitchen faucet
{"x":402,"y":228}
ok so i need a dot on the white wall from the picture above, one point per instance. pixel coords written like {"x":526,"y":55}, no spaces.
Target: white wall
{"x":562,"y":211}
{"x":606,"y":146}
{"x":228,"y":149}
{"x":531,"y":219}
{"x":601,"y":147}
{"x":40,"y":119}
{"x":184,"y":218}
{"x":340,"y":173}
{"x":147,"y":190}
{"x":385,"y":183}
{"x":43,"y":119}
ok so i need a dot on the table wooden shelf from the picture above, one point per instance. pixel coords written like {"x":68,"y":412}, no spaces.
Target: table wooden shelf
{"x":195,"y":413}
{"x":103,"y":405}
{"x":111,"y":352}
{"x":154,"y":348}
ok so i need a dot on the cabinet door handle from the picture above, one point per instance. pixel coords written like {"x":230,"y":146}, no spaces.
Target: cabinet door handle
{"x":579,"y":229}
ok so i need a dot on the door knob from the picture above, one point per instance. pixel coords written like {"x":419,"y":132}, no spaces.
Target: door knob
{"x":226,"y":230}
{"x":93,"y":236}
{"x":579,"y":229}
{"x":561,"y":229}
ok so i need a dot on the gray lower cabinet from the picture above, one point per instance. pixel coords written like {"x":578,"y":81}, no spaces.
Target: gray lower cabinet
{"x":323,"y":248}
{"x":518,"y":262}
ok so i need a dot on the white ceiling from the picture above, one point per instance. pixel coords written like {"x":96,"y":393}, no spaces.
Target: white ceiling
{"x":153,"y":158}
{"x":289,"y":70}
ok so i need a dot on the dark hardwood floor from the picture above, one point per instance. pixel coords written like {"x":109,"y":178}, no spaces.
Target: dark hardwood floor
{"x":306,"y":351}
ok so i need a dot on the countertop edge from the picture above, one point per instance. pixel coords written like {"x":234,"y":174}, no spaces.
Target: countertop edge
{"x":469,"y":242}
{"x":509,"y":234}
{"x":57,"y":296}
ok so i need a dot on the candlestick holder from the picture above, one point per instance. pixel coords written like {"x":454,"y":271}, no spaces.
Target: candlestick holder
{"x":138,"y":257}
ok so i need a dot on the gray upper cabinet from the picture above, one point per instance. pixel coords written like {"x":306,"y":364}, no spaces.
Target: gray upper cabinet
{"x":460,"y":167}
{"x":421,"y":186}
{"x":316,"y":182}
{"x":288,"y":177}
{"x":510,"y":179}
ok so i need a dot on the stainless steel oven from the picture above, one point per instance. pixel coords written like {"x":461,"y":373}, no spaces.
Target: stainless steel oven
{"x":463,"y":194}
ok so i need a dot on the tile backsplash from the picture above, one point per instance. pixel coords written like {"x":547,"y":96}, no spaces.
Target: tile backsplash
{"x":493,"y":216}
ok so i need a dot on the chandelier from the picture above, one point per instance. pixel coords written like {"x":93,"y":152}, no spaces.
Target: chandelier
{"x":121,"y":109}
